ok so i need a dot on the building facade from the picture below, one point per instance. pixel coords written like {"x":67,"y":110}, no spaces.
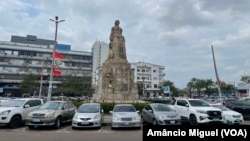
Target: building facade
{"x":243,"y":89}
{"x":30,"y":55}
{"x":151,"y":76}
{"x":100,"y":51}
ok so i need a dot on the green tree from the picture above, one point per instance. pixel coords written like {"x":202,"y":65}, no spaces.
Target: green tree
{"x":210,"y":87}
{"x":72,"y":85}
{"x":245,"y":78}
{"x":30,"y":83}
{"x":201,"y":85}
{"x":227,"y":88}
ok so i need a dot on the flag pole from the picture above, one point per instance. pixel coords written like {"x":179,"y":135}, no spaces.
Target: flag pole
{"x":217,"y":77}
{"x":41,"y":80}
{"x":56,"y":20}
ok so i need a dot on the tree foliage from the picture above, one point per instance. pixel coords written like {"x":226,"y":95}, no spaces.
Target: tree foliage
{"x":75,"y":86}
{"x":30,"y":83}
{"x":245,"y":78}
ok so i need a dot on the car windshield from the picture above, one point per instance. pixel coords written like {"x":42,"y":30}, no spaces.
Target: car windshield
{"x":13,"y":103}
{"x":124,"y":109}
{"x":51,"y":105}
{"x":161,"y":108}
{"x":198,"y":103}
{"x":88,"y":109}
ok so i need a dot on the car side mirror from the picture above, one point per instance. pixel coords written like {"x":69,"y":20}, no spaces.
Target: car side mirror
{"x":186,"y":105}
{"x":150,"y":111}
{"x":111,"y":112}
{"x":102,"y":111}
{"x":26,"y":106}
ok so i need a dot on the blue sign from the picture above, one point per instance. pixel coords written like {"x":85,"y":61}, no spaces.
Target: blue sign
{"x":166,"y":89}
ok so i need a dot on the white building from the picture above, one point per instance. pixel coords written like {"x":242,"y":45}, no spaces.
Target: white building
{"x":151,"y":76}
{"x":100,"y":51}
{"x":243,"y":89}
{"x":30,"y":55}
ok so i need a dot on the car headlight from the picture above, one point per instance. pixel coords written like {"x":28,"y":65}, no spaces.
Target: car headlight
{"x":160,"y":117}
{"x":96,"y":117}
{"x":75,"y":116}
{"x":201,"y":112}
{"x":137,"y":118}
{"x":50,"y":115}
{"x":5,"y":112}
{"x":29,"y":115}
{"x":116,"y":118}
{"x":227,"y":116}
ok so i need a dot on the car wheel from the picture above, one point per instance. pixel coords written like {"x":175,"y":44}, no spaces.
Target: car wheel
{"x":193,"y":120}
{"x":154,"y":122}
{"x":57,"y":123}
{"x":15,"y":122}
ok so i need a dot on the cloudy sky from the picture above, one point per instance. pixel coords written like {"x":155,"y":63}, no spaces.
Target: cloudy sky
{"x":177,"y":34}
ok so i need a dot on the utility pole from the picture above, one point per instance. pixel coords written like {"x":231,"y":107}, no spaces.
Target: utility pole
{"x":41,"y":80}
{"x":56,"y":20}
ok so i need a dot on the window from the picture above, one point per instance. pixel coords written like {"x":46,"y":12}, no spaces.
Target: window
{"x":155,"y":85}
{"x":33,"y":103}
{"x":182,"y":102}
{"x":154,"y":70}
{"x":147,"y":107}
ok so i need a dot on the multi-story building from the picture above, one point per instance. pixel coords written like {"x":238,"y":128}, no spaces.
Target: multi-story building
{"x":151,"y":76}
{"x":26,"y":55}
{"x":100,"y":51}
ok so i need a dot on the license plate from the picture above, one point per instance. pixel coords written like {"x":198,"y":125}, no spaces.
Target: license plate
{"x":172,"y":122}
{"x":216,"y":119}
{"x":36,"y":120}
{"x":84,"y":123}
{"x":126,"y":123}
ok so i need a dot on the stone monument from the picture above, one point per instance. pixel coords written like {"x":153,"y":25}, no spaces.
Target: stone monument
{"x":116,"y":79}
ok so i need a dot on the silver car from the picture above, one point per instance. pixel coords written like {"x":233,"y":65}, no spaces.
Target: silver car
{"x":88,"y":115}
{"x":160,"y":114}
{"x":125,"y":115}
{"x":52,"y":113}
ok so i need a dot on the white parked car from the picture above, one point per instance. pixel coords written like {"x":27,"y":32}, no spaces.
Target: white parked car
{"x":14,"y":111}
{"x":88,"y":115}
{"x":125,"y":115}
{"x":230,"y":116}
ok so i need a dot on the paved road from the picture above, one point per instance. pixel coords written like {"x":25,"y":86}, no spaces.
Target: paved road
{"x":66,"y":133}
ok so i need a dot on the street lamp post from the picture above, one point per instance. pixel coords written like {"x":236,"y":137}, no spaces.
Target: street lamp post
{"x":56,"y":20}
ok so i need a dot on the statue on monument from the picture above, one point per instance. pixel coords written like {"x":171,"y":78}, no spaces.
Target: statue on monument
{"x":117,"y":43}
